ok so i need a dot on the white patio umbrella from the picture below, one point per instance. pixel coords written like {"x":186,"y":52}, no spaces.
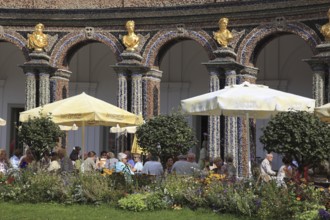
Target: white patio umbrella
{"x":83,"y":110}
{"x":2,"y":122}
{"x":247,"y":100}
{"x":130,"y":130}
{"x":323,"y":112}
{"x":74,"y":127}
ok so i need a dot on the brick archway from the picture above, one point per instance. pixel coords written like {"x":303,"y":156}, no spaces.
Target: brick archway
{"x":246,"y":53}
{"x":63,"y":46}
{"x":163,"y":37}
{"x":16,"y":39}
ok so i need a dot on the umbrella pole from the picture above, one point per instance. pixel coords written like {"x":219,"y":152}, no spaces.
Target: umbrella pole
{"x":83,"y":141}
{"x":248,"y":144}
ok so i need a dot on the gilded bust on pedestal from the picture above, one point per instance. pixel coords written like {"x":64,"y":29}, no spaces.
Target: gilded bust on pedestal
{"x":131,"y":40}
{"x":37,"y":41}
{"x":223,"y":36}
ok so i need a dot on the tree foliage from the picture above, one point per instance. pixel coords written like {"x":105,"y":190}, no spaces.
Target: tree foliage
{"x":171,"y":132}
{"x":299,"y":134}
{"x":40,"y":134}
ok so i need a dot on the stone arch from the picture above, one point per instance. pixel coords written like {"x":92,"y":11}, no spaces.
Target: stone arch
{"x":247,"y":53}
{"x":163,"y":37}
{"x":70,"y":40}
{"x":16,"y":39}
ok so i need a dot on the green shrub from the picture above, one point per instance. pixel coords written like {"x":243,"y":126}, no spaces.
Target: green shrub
{"x":143,"y":202}
{"x":91,"y":188}
{"x":40,"y":187}
{"x":134,"y":202}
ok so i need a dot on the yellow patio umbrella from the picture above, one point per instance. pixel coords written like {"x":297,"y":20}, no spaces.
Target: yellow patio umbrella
{"x":83,"y":110}
{"x":136,"y":149}
{"x":2,"y":122}
{"x":323,"y":112}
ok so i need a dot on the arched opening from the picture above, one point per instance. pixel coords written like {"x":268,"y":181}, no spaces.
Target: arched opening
{"x":90,"y":64}
{"x":12,"y":93}
{"x":281,"y":67}
{"x":183,"y":76}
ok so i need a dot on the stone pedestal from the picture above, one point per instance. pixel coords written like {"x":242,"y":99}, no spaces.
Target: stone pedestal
{"x":38,"y":72}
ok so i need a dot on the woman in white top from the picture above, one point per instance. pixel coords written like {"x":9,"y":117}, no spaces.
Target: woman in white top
{"x":285,"y":171}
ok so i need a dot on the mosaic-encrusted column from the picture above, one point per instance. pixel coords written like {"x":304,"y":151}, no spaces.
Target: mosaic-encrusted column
{"x":319,"y":64}
{"x":130,"y":72}
{"x":230,"y":147}
{"x":214,"y":121}
{"x":30,"y":91}
{"x":44,"y":96}
{"x":37,"y":69}
{"x":136,"y":93}
{"x":122,"y":103}
{"x":122,"y":91}
{"x":59,"y":85}
{"x":151,"y":93}
{"x":328,"y":84}
{"x":246,"y":156}
{"x":319,"y":84}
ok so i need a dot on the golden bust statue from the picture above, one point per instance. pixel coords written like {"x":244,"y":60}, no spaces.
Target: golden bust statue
{"x":37,"y":41}
{"x":223,"y":36}
{"x":325,"y":29}
{"x":131,"y":40}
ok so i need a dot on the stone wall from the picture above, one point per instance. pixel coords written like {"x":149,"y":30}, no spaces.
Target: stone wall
{"x":99,"y":4}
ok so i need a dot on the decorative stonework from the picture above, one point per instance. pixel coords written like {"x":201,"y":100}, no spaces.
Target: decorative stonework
{"x":16,"y":39}
{"x":214,"y":121}
{"x":151,"y":93}
{"x":59,"y":83}
{"x":30,"y":91}
{"x":99,"y":4}
{"x":122,"y":91}
{"x":246,"y":51}
{"x":163,"y":37}
{"x":67,"y":42}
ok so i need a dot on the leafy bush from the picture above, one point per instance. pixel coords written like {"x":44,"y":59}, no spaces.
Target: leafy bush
{"x":171,"y":132}
{"x":299,"y":134}
{"x":40,"y":187}
{"x":143,"y":202}
{"x":134,"y":202}
{"x":40,"y":134}
{"x":91,"y":188}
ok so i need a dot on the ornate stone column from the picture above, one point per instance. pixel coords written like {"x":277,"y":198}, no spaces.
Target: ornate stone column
{"x":151,"y":93}
{"x":130,"y":72}
{"x":122,"y":91}
{"x":321,"y":69}
{"x":319,"y":84}
{"x":214,"y":139}
{"x":136,"y":93}
{"x":223,"y":67}
{"x":59,"y":85}
{"x":231,"y":142}
{"x":44,"y":89}
{"x":246,"y":157}
{"x":37,"y":71}
{"x":30,"y":91}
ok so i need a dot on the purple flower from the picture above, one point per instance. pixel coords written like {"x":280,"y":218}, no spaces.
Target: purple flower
{"x":324,"y":215}
{"x":258,"y":203}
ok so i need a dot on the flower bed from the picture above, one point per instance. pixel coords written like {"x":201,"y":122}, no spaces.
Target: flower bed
{"x":144,"y":193}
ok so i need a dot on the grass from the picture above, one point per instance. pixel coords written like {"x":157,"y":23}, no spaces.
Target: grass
{"x":48,"y":211}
